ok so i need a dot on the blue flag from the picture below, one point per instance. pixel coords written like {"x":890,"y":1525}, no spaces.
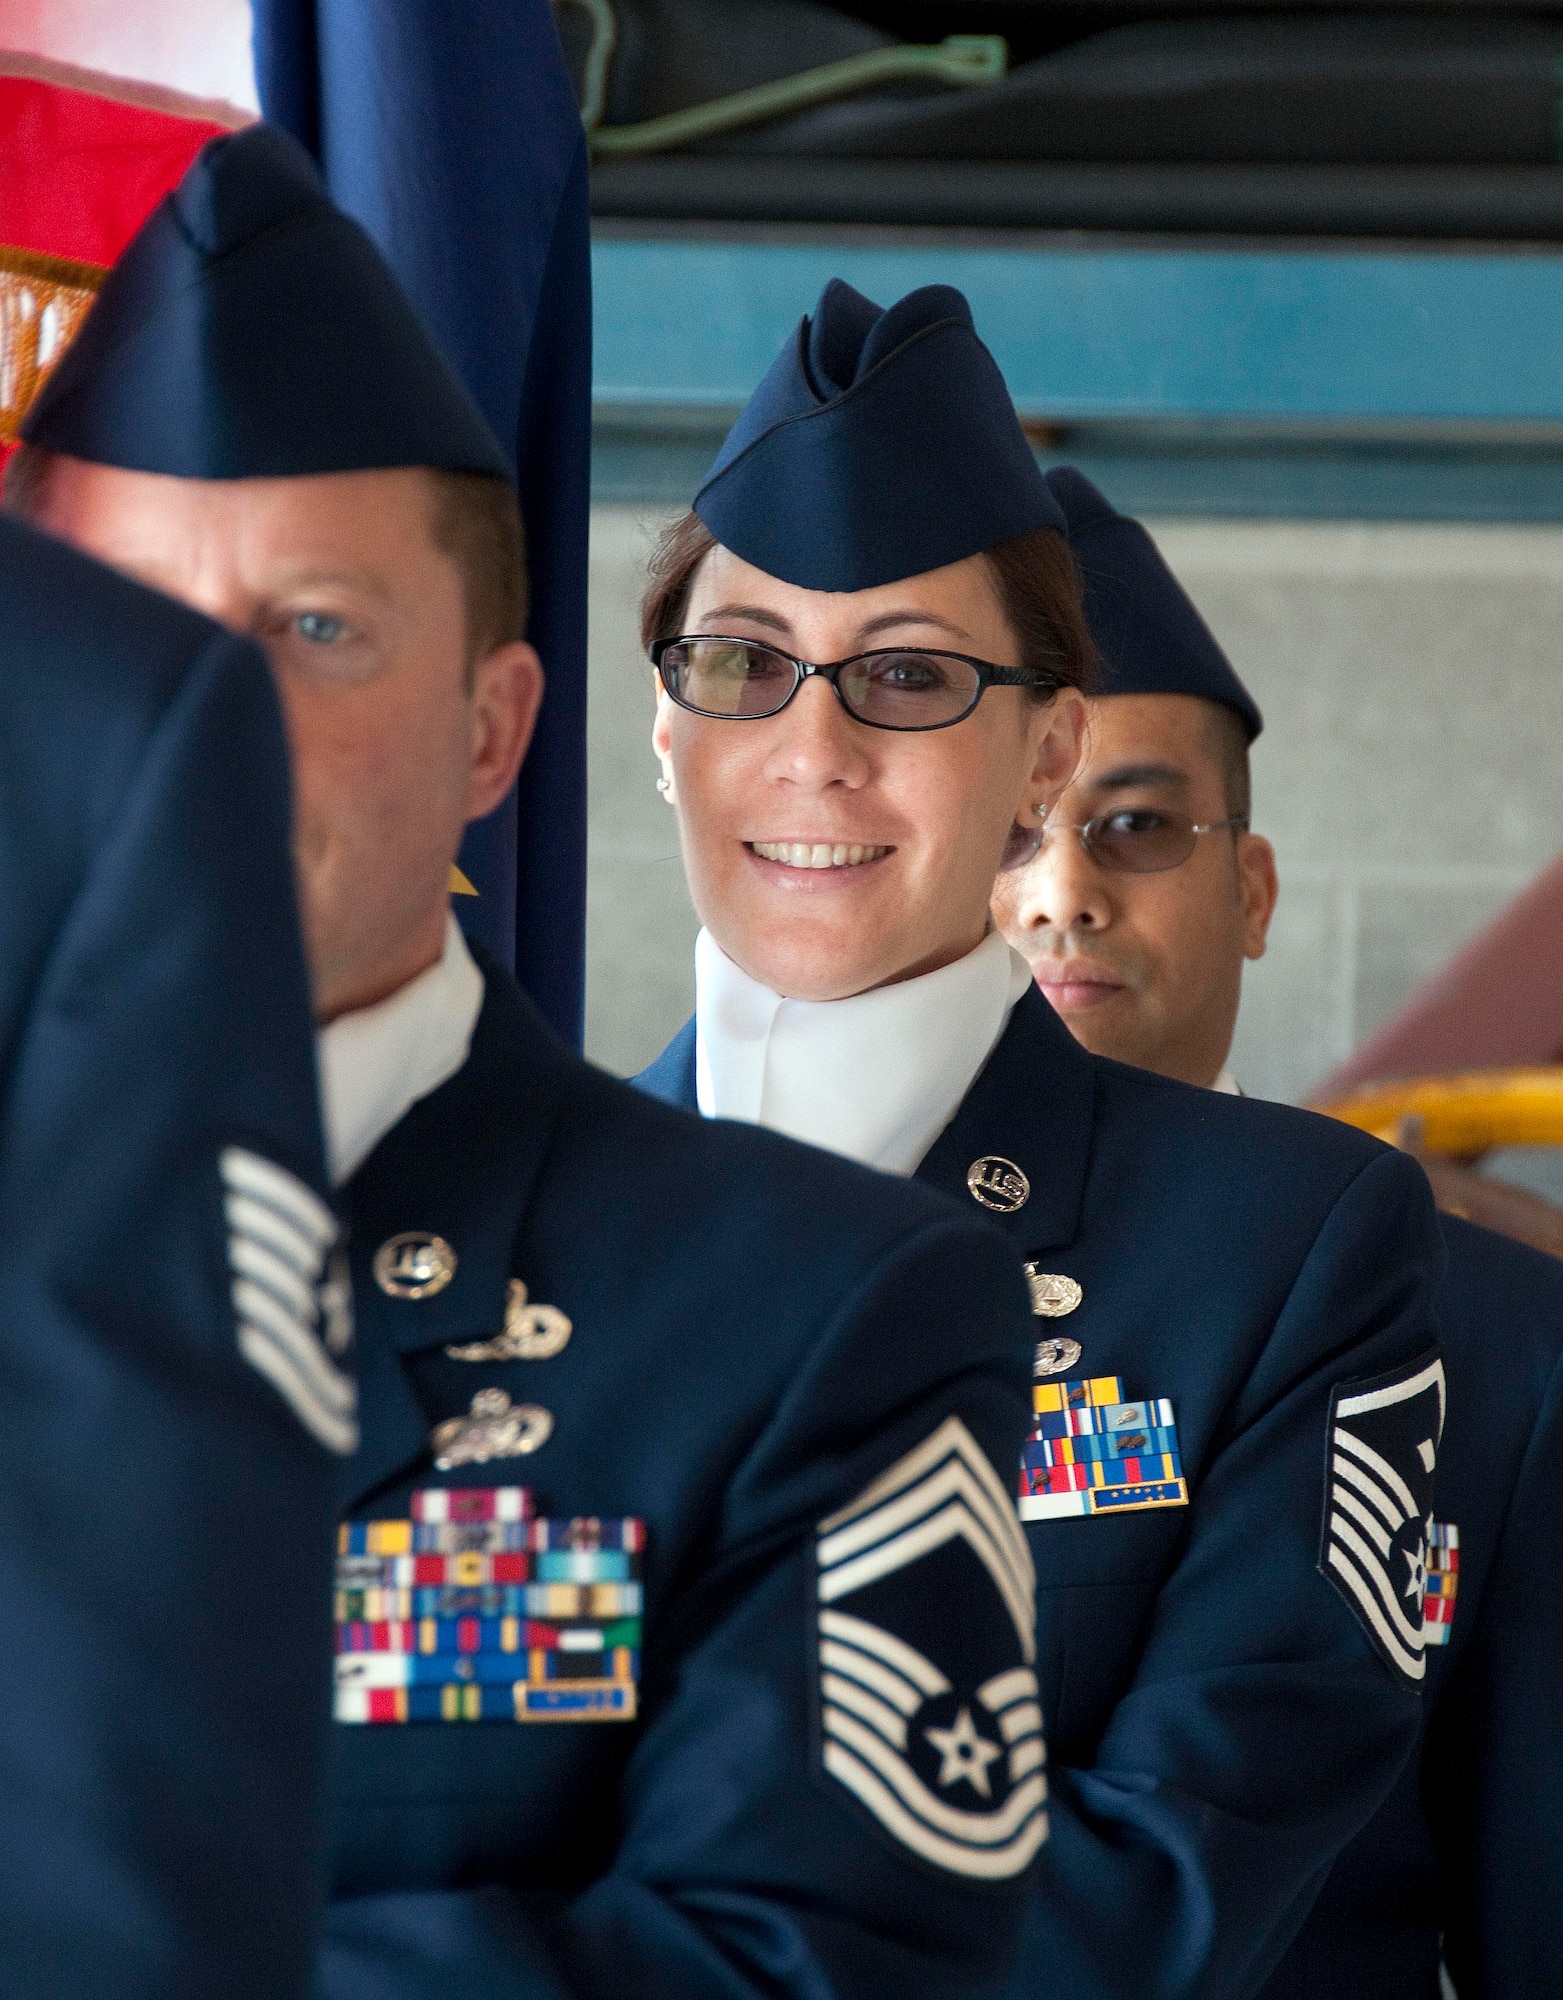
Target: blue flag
{"x":452,"y":134}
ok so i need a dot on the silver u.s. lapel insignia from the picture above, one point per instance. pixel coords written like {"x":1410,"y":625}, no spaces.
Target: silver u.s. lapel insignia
{"x":414,"y":1265}
{"x":494,"y":1428}
{"x":531,"y":1333}
{"x":998,"y":1184}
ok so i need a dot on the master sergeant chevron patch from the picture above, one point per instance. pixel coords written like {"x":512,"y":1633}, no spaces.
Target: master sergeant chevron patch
{"x":1383,"y":1446}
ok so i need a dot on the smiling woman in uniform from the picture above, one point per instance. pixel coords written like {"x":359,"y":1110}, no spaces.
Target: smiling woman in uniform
{"x":869,"y":647}
{"x":851,"y":837}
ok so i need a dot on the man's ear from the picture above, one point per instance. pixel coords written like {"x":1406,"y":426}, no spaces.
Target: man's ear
{"x":507,"y":692}
{"x":1060,"y":741}
{"x":1260,"y":886}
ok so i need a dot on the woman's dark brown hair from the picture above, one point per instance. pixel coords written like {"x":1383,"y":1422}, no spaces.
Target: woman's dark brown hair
{"x":1037,"y":578}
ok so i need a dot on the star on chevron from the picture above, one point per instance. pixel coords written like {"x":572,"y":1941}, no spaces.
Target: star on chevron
{"x":964,"y":1754}
{"x":1416,"y":1558}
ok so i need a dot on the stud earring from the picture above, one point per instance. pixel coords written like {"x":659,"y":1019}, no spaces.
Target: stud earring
{"x":664,"y":786}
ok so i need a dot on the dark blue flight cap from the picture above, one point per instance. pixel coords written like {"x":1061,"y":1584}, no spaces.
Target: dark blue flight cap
{"x":1150,"y":637}
{"x":251,"y":330}
{"x":880,"y":445}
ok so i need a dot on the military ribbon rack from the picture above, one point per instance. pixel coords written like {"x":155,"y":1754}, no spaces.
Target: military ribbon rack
{"x":1090,"y":1452}
{"x":475,"y":1610}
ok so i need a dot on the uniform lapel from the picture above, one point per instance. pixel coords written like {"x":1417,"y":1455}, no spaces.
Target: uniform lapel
{"x":672,"y":1076}
{"x":461,"y":1165}
{"x":1032,"y":1106}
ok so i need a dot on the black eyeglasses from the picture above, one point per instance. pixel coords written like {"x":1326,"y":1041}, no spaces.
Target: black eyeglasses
{"x":1137,"y":840}
{"x":899,"y":688}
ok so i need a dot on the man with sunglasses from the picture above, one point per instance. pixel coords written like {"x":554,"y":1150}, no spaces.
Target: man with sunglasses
{"x":1168,"y":890}
{"x":1137,"y":925}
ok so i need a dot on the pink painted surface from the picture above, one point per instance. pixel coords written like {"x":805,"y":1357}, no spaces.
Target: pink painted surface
{"x":1497,"y":1003}
{"x":200,"y":47}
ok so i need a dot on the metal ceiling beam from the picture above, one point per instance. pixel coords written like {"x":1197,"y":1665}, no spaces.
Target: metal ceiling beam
{"x":1373,"y":340}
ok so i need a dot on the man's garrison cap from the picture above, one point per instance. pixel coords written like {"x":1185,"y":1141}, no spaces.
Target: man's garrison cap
{"x":1150,"y":637}
{"x":252,"y":330}
{"x":881,"y":444}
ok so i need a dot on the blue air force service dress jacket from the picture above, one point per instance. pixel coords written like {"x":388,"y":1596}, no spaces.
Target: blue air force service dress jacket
{"x":1467,"y":1851}
{"x":165,"y":1488}
{"x":1232,"y":1294}
{"x":663,"y":1662}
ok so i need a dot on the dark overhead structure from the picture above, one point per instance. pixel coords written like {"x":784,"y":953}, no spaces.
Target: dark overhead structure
{"x":1440,"y":120}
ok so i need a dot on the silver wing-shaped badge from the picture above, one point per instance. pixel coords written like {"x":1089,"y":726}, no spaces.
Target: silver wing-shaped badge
{"x":530,"y":1333}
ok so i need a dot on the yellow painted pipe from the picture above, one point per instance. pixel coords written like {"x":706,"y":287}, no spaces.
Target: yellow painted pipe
{"x":1464,"y":1114}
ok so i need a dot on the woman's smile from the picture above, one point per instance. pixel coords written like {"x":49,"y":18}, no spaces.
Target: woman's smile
{"x":827,"y":856}
{"x":816,"y":853}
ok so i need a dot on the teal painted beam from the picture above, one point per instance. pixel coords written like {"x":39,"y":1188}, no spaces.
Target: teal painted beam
{"x":1369,"y":338}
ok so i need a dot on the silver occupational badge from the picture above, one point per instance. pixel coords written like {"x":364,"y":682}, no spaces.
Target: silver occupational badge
{"x":531,"y":1333}
{"x":493,"y":1429}
{"x":998,"y":1184}
{"x":1052,"y":1295}
{"x":414,"y":1265}
{"x":1055,"y":1357}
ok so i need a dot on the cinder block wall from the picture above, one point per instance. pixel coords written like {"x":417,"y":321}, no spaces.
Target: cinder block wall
{"x":1410,"y":773}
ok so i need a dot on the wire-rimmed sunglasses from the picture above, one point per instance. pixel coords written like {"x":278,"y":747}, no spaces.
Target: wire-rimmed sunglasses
{"x":900,"y":687}
{"x":1138,"y":840}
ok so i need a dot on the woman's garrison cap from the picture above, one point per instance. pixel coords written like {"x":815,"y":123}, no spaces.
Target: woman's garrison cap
{"x":881,"y":444}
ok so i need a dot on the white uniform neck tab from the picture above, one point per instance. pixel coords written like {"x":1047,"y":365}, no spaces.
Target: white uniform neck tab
{"x":876,"y":1077}
{"x":376,"y":1063}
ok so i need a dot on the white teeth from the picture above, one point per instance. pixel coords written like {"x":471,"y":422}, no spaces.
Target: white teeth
{"x":816,"y":854}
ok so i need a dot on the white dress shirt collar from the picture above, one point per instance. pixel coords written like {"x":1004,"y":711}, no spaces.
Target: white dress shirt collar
{"x":1227,"y":1084}
{"x":376,"y":1063}
{"x":876,"y":1077}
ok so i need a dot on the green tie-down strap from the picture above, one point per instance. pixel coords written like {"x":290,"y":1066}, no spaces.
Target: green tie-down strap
{"x":962,"y":61}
